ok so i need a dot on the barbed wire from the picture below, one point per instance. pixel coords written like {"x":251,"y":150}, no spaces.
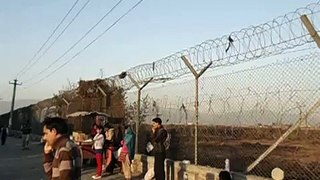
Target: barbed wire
{"x":242,"y":113}
{"x":271,"y":38}
{"x":223,"y":99}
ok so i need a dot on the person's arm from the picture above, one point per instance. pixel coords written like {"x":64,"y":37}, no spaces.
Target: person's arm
{"x":48,"y":158}
{"x":95,"y":137}
{"x":98,"y":137}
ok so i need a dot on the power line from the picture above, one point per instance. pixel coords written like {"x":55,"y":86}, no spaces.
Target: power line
{"x":53,"y":42}
{"x":82,"y":50}
{"x":53,"y":32}
{"x":75,"y":44}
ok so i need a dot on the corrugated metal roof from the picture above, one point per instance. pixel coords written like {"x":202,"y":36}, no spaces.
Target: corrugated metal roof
{"x":86,"y":113}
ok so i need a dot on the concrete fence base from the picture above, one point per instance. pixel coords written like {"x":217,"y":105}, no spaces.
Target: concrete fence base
{"x":180,"y":170}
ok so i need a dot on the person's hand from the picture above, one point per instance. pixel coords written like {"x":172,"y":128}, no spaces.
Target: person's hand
{"x":153,"y":129}
{"x":47,"y":148}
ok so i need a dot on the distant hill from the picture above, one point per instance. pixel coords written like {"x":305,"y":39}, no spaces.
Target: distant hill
{"x":6,"y":105}
{"x":249,"y":117}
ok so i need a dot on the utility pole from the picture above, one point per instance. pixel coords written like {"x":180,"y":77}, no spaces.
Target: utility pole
{"x":15,"y":83}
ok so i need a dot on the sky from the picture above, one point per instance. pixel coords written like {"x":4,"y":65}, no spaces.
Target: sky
{"x":153,"y":30}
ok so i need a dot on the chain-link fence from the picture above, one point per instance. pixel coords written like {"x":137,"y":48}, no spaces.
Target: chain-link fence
{"x":241,"y":114}
{"x":256,"y":104}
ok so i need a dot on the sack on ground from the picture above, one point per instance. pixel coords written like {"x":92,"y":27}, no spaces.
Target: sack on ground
{"x":116,"y":153}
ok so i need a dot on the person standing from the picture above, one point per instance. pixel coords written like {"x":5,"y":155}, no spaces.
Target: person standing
{"x":158,"y":137}
{"x":98,"y":122}
{"x":127,"y":152}
{"x":62,"y":157}
{"x":26,"y":130}
{"x":98,"y":147}
{"x":109,"y":147}
{"x":4,"y":133}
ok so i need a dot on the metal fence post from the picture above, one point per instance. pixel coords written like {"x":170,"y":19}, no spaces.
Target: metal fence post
{"x":196,"y":105}
{"x":313,"y":33}
{"x":138,"y":120}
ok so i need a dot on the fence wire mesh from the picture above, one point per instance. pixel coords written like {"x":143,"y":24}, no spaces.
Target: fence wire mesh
{"x":258,"y":88}
{"x":241,"y":114}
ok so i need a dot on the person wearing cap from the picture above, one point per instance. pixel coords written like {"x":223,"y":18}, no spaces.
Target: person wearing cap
{"x":158,"y":137}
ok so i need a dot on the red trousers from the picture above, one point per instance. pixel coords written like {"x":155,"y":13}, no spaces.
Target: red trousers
{"x":99,"y":163}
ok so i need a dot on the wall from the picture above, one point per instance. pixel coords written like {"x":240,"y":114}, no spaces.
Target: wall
{"x":177,"y":170}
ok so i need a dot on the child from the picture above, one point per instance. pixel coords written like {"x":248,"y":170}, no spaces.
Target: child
{"x":98,"y":147}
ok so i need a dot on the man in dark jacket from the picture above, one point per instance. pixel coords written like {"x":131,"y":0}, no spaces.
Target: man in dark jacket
{"x":4,"y":133}
{"x":26,"y":130}
{"x":159,"y":135}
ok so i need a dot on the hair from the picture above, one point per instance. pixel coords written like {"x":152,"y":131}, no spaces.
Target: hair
{"x":157,"y":120}
{"x":101,"y":128}
{"x":126,"y":126}
{"x":57,"y":123}
{"x":107,"y":125}
{"x":224,"y":175}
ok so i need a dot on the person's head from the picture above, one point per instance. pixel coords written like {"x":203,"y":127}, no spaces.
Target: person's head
{"x":156,"y":122}
{"x":128,"y":129}
{"x":98,"y":120}
{"x":99,"y":129}
{"x":53,"y":128}
{"x":107,"y":126}
{"x":224,"y":175}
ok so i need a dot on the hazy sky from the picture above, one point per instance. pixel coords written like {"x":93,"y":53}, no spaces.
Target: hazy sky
{"x":155,"y":29}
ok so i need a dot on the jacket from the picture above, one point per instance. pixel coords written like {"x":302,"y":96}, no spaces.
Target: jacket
{"x":65,"y":162}
{"x":158,"y":138}
{"x":98,"y":141}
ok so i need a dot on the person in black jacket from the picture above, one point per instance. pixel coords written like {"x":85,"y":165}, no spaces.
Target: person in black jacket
{"x":4,"y":134}
{"x":26,"y":131}
{"x":158,"y":137}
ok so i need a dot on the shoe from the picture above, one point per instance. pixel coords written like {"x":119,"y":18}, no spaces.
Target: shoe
{"x":96,"y":177}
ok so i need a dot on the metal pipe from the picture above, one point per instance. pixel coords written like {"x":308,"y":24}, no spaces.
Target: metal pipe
{"x":285,"y":135}
{"x":197,"y":122}
{"x":138,"y":120}
{"x":313,"y":33}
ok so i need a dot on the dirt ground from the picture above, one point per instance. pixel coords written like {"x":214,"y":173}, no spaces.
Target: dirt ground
{"x":298,"y":155}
